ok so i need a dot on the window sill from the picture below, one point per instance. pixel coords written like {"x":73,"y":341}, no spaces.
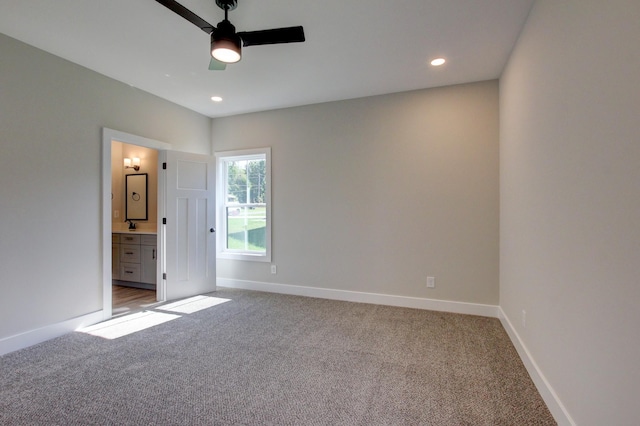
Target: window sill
{"x":247,"y":257}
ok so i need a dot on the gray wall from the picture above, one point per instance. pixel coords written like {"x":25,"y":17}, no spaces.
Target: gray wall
{"x":570,"y":202}
{"x":51,"y":115}
{"x":375,"y":194}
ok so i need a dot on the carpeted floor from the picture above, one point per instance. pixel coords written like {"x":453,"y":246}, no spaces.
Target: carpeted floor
{"x":268,"y":359}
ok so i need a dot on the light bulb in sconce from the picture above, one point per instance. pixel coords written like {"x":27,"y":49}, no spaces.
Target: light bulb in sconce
{"x":132,"y":164}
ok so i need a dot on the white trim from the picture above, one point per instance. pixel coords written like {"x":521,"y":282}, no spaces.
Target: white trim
{"x":558,"y":410}
{"x":362,"y":297}
{"x":107,"y":137}
{"x":39,"y":335}
{"x":117,"y":135}
{"x":221,"y":179}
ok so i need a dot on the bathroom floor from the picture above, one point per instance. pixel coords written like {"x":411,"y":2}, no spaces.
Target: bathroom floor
{"x":127,"y":299}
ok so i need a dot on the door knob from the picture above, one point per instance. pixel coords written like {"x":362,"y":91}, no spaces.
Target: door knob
{"x":212,"y":230}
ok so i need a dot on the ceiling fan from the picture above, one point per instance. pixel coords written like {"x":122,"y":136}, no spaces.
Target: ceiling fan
{"x":225,"y":41}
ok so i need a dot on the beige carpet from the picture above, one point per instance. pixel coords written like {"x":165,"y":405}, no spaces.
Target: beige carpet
{"x":267,"y":359}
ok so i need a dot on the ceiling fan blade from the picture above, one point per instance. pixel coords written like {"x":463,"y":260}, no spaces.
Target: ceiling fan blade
{"x":216,"y":65}
{"x":176,"y":7}
{"x":274,"y":36}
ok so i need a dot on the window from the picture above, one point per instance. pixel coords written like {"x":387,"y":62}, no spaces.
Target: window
{"x":244,"y":204}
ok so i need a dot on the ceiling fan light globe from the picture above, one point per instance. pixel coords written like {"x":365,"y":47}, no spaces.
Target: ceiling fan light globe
{"x":226,"y":55}
{"x":226,"y":48}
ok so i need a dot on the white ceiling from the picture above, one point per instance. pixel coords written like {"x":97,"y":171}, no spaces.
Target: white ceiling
{"x":354,"y":48}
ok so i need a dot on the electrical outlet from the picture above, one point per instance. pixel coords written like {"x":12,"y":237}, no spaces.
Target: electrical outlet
{"x":431,"y":282}
{"x":116,"y":213}
{"x":274,"y":269}
{"x":524,"y":318}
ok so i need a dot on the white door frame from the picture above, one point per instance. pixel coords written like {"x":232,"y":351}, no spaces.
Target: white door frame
{"x":109,"y":136}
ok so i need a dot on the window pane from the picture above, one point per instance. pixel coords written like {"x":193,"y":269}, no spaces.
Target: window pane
{"x":247,"y":228}
{"x":246,"y":181}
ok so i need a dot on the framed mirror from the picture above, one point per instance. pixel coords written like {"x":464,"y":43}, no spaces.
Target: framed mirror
{"x":136,"y":196}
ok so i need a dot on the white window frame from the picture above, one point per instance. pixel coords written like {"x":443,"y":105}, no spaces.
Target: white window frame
{"x":221,"y":192}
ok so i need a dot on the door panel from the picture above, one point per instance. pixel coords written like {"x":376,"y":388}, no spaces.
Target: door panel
{"x":190,"y":209}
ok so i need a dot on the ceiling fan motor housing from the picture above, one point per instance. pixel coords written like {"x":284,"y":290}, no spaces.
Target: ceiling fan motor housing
{"x":227,"y":4}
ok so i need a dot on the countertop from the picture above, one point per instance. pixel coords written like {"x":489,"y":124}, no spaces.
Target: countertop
{"x":135,"y":231}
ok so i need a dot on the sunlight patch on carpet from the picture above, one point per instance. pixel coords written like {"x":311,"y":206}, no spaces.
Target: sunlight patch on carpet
{"x":192,"y":304}
{"x":129,"y":324}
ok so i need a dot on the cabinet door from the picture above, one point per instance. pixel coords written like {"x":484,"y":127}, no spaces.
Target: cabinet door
{"x":148,"y":263}
{"x":115,"y":261}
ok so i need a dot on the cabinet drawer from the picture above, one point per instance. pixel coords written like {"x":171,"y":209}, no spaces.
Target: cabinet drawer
{"x":129,"y":253}
{"x":129,"y":239}
{"x":130,"y":272}
{"x":148,"y":240}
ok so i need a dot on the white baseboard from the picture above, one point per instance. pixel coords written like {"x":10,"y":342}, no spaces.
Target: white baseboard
{"x":558,"y":410}
{"x":361,"y":297}
{"x":39,"y":335}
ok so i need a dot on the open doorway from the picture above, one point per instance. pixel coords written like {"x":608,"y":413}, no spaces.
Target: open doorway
{"x":132,"y":194}
{"x":134,"y":213}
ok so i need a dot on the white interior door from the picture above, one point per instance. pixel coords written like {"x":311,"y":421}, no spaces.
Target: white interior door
{"x":190,"y":251}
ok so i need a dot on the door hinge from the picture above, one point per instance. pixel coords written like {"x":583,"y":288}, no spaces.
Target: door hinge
{"x":164,"y":220}
{"x":164,"y":166}
{"x":164,"y":275}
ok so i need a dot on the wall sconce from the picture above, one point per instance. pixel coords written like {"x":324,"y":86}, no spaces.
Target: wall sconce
{"x":132,"y":163}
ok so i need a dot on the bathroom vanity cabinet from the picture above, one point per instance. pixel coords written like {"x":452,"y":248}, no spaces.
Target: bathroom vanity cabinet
{"x":134,"y":259}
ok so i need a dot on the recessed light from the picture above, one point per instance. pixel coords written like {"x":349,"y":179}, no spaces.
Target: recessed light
{"x":216,"y":99}
{"x":438,"y":61}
